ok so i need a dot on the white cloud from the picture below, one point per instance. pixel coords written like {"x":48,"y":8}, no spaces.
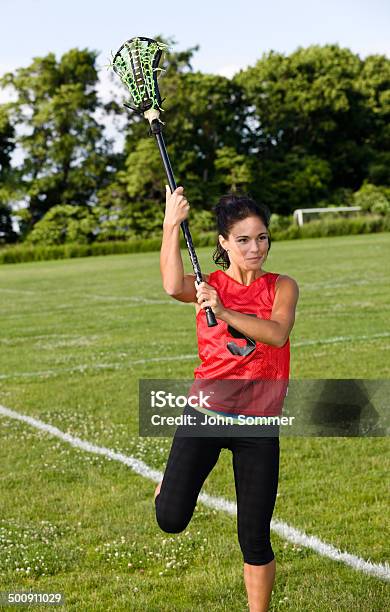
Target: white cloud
{"x":229,"y":70}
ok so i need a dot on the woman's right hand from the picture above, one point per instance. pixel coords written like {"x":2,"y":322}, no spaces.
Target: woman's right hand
{"x":176,"y":206}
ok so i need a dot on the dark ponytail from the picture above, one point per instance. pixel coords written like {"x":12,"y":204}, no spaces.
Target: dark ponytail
{"x":230,"y":209}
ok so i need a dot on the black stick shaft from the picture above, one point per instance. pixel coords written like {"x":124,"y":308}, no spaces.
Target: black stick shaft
{"x":156,"y":130}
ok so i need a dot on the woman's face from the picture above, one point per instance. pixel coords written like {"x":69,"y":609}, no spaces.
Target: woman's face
{"x":247,"y":243}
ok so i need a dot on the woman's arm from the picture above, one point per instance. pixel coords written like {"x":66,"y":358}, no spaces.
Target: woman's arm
{"x":274,"y":331}
{"x":177,"y":284}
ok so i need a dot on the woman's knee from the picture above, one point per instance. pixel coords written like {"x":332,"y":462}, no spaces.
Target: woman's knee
{"x":168,"y":521}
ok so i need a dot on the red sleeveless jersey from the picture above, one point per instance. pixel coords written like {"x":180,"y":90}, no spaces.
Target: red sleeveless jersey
{"x":216,"y":347}
{"x":225,"y":353}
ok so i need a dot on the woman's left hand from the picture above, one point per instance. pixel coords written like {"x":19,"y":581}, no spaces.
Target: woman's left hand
{"x":208,"y":296}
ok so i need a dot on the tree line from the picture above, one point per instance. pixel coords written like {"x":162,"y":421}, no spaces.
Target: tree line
{"x":306,"y":129}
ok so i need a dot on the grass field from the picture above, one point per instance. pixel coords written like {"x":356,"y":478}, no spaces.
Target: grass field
{"x":77,"y":335}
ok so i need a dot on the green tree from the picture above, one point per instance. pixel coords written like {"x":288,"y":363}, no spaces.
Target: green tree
{"x":7,"y":145}
{"x":310,"y":105}
{"x":372,"y":199}
{"x":65,"y":223}
{"x":374,"y":84}
{"x":236,"y":169}
{"x":204,"y":114}
{"x":131,"y":204}
{"x":65,"y":153}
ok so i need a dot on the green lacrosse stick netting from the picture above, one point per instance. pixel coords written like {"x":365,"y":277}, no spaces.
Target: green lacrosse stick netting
{"x":136,"y":64}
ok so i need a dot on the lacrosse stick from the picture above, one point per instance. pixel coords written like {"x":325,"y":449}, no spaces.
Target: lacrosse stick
{"x":136,"y":64}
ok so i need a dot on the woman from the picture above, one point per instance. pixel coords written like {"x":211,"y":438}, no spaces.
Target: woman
{"x":255,"y":311}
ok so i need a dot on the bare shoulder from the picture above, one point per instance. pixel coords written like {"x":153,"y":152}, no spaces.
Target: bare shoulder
{"x":286,"y":281}
{"x":287,"y":286}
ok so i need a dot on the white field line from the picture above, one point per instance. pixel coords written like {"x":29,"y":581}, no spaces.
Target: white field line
{"x":134,"y":300}
{"x":139,"y":300}
{"x":65,"y":307}
{"x":337,"y":339}
{"x":343,"y":283}
{"x":120,"y":366}
{"x":94,"y":366}
{"x":285,"y":531}
{"x":22,"y":291}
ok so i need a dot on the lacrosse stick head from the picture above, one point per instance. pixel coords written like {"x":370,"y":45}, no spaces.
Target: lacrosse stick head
{"x":136,"y":64}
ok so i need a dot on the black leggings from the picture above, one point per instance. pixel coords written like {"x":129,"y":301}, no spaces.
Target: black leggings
{"x":256,"y":471}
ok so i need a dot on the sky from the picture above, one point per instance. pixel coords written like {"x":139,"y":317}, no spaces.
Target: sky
{"x":232,"y":34}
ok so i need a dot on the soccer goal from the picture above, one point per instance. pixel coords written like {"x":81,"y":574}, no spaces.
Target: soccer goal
{"x":309,"y":213}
